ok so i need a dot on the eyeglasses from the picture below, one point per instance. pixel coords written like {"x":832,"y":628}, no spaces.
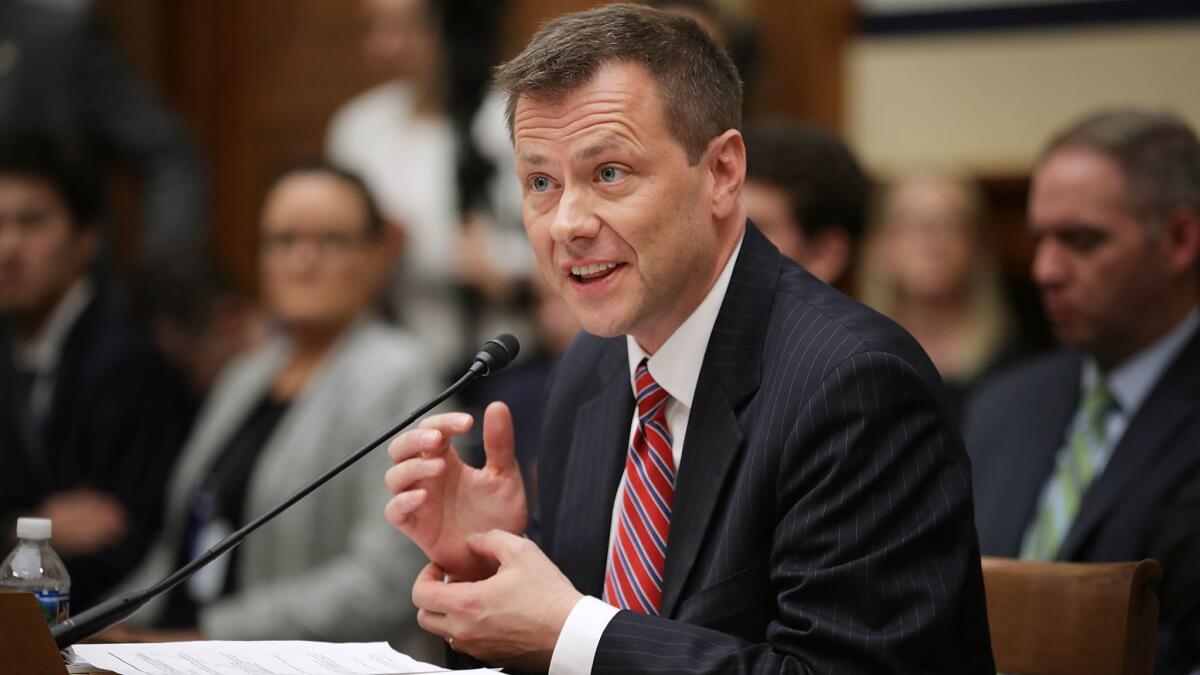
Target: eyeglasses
{"x":324,"y":243}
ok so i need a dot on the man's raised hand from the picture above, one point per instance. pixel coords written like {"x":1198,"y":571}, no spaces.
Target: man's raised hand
{"x":439,"y":501}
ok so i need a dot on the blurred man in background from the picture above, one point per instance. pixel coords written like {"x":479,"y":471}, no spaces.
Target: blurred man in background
{"x":61,"y":76}
{"x":1076,"y":454}
{"x":807,"y":193}
{"x":91,"y":417}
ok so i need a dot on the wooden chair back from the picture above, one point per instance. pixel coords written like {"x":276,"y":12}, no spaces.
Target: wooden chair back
{"x":1072,"y":618}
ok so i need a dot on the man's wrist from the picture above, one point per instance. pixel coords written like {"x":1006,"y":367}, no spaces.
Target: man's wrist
{"x":575,"y":649}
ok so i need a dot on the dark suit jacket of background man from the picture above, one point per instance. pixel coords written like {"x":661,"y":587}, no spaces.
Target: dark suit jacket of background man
{"x":822,"y":519}
{"x":1016,"y":426}
{"x":118,"y":416}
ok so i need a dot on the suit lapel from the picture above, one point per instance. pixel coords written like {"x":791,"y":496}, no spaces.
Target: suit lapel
{"x":593,"y":472}
{"x":1172,"y":401}
{"x":729,"y":374}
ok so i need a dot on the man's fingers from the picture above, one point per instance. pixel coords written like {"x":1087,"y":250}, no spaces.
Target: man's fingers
{"x":498,"y":443}
{"x":418,"y":443}
{"x":402,"y":505}
{"x":498,"y":545}
{"x":452,"y":423}
{"x":433,"y":594}
{"x":434,"y":622}
{"x":406,"y":474}
{"x":432,"y":437}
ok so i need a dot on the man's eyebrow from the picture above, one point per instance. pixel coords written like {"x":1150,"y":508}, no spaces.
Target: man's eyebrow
{"x":599,"y":147}
{"x":532,"y":158}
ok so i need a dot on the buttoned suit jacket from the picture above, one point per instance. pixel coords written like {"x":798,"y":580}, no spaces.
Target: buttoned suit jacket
{"x":822,"y":517}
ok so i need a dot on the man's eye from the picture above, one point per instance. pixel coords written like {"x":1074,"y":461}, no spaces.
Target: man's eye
{"x":539,"y":183}
{"x":609,"y":174}
{"x":1083,"y":241}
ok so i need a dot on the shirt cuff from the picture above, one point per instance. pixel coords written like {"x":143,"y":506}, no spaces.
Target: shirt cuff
{"x":580,"y":637}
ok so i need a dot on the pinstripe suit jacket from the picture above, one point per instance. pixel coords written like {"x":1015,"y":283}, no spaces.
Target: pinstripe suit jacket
{"x":822,"y":519}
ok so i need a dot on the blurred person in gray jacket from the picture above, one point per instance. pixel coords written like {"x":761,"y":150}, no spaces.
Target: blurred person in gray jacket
{"x":330,"y":379}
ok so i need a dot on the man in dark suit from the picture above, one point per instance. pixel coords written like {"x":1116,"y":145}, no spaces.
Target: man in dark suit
{"x":789,"y":495}
{"x":1076,"y":454}
{"x":90,"y":416}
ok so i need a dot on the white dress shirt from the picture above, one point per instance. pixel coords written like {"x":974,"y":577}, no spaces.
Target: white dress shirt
{"x":676,"y":368}
{"x":41,"y":353}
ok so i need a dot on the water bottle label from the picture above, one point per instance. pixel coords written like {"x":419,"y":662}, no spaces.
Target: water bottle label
{"x":55,"y":605}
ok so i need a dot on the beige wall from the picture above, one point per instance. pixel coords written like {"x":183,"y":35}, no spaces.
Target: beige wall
{"x":987,"y":101}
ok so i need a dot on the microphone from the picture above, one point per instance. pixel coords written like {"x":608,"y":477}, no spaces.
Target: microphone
{"x":495,"y":354}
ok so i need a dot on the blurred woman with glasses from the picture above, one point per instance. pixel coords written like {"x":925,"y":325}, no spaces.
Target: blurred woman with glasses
{"x":333,"y":376}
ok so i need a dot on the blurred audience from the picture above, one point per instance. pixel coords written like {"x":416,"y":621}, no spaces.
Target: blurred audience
{"x":61,"y":75}
{"x":929,"y":263}
{"x":433,"y":146}
{"x":330,"y":379}
{"x":807,"y":193}
{"x":1076,"y":455}
{"x":195,"y":317}
{"x":91,"y":416}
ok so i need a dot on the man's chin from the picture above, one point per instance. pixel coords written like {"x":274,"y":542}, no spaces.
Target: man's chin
{"x":601,"y":324}
{"x":1072,"y":337}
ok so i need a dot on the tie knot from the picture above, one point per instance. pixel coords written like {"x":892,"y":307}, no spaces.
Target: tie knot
{"x":1099,"y":399}
{"x":651,"y":398}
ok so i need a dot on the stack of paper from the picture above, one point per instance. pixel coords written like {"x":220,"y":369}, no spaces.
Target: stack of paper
{"x":259,"y":658}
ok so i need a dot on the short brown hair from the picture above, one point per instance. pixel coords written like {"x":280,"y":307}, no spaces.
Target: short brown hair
{"x":1157,"y":152}
{"x":701,"y":91}
{"x":825,"y":185}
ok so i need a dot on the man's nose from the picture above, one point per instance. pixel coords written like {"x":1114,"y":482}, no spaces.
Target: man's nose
{"x":575,"y":217}
{"x":1050,"y":265}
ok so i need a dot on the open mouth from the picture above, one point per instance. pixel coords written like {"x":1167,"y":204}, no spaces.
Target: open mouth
{"x":588,"y":274}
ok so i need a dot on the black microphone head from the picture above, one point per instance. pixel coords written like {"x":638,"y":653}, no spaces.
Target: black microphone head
{"x":496,"y":354}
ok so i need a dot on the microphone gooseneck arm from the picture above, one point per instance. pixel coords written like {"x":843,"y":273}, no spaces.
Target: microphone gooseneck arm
{"x":496,"y":354}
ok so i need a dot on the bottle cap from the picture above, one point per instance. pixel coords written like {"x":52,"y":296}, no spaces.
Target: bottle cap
{"x":33,"y":528}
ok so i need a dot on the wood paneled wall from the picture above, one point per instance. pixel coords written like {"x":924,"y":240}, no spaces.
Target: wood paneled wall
{"x":257,"y":81}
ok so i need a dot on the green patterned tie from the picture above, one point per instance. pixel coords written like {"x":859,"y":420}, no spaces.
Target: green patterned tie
{"x":1076,"y":467}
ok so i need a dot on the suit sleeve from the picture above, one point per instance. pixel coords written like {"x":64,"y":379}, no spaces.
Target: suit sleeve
{"x":874,"y":562}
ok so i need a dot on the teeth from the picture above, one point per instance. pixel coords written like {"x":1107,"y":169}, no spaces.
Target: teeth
{"x":585,"y":270}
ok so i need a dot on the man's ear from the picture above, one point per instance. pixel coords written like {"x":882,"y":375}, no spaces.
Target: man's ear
{"x":727,"y":164}
{"x":1181,"y":235}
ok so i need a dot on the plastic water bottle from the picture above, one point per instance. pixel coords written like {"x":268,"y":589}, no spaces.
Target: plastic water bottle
{"x":33,"y":566}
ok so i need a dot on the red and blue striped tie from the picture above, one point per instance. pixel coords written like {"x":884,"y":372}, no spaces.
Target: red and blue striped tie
{"x":635,"y":569}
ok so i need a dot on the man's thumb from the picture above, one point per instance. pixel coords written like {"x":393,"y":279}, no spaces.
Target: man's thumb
{"x":496,"y":544}
{"x":498,"y":443}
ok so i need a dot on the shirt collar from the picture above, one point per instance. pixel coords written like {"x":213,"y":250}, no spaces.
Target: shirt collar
{"x":676,"y":365}
{"x":41,"y":353}
{"x":1131,"y":382}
